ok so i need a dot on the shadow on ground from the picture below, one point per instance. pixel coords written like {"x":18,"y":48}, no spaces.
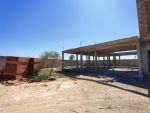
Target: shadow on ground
{"x":119,"y":76}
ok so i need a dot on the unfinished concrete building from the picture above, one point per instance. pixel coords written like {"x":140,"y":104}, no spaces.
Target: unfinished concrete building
{"x":137,"y":45}
{"x":143,"y":7}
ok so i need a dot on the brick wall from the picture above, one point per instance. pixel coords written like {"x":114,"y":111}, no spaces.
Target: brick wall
{"x":17,"y":66}
{"x":143,"y":7}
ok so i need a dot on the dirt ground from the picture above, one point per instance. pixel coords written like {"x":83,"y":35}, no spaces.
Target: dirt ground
{"x":85,"y":94}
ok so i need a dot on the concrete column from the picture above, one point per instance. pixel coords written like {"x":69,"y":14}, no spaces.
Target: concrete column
{"x":114,"y":61}
{"x":93,"y":58}
{"x":98,"y":60}
{"x":139,"y":54}
{"x":104,"y":61}
{"x":108,"y":58}
{"x":89,"y":63}
{"x":63,"y":61}
{"x":81,"y":61}
{"x":77,"y":62}
{"x":119,"y":61}
{"x":95,"y":61}
{"x":108,"y":61}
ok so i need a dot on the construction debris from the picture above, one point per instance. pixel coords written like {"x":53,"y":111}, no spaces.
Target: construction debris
{"x":105,"y":107}
{"x":106,"y":79}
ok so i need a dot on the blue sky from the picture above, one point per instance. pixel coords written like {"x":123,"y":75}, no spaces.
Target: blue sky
{"x":30,"y":27}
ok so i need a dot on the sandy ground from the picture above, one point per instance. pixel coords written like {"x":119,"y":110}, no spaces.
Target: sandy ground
{"x":83,"y":95}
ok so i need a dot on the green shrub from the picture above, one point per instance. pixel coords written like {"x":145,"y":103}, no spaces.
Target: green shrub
{"x":44,"y":75}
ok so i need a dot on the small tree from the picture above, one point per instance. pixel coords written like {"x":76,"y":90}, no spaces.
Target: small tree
{"x":71,"y":57}
{"x":54,"y":58}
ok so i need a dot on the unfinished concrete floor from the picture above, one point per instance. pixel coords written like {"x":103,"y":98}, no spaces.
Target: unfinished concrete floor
{"x":79,"y":94}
